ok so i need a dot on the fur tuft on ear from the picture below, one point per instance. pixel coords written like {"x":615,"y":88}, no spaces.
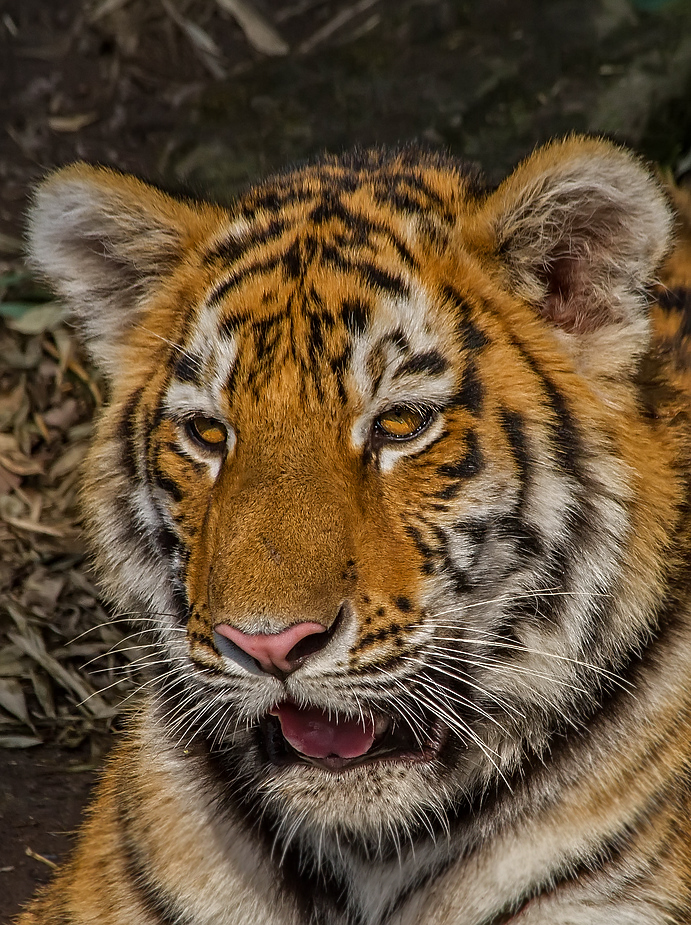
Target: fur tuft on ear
{"x":104,"y":241}
{"x":581,"y":227}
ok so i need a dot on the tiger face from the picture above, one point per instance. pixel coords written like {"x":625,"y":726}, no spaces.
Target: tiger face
{"x":376,"y":465}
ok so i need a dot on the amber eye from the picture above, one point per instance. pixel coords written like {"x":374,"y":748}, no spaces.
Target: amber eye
{"x":207,"y":431}
{"x":402,"y":422}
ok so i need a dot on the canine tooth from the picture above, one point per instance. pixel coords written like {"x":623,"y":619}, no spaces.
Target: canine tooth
{"x":381,"y":725}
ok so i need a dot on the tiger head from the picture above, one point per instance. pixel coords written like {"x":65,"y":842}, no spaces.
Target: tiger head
{"x":375,"y":463}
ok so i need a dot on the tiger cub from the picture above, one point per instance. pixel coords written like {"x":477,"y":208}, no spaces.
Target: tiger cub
{"x":399,"y":470}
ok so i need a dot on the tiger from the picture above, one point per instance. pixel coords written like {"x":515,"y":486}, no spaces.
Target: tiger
{"x":395,"y":469}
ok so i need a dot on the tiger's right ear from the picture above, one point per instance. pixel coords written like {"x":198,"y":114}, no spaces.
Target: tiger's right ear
{"x":105,"y":241}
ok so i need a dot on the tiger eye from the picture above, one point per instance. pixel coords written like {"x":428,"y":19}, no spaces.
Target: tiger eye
{"x":210,"y":432}
{"x":402,"y":422}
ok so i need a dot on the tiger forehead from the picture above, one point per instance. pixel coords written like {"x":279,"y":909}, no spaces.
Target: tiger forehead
{"x":323,"y":277}
{"x":351,"y":345}
{"x":371,"y":221}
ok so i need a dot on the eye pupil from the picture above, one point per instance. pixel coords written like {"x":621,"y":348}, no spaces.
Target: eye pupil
{"x":208,"y":431}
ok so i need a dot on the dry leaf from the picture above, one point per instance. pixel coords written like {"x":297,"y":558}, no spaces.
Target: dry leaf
{"x":41,"y":589}
{"x":70,"y":460}
{"x":334,"y":24}
{"x":11,"y":664}
{"x":20,"y":464}
{"x":258,"y":31}
{"x":13,"y":700}
{"x":46,"y":402}
{"x":72,"y":123}
{"x":105,"y":8}
{"x":19,"y":741}
{"x":38,"y":320}
{"x":8,"y":480}
{"x":208,"y":51}
{"x":39,"y":857}
{"x":44,"y":693}
{"x":46,"y":529}
{"x":62,"y":416}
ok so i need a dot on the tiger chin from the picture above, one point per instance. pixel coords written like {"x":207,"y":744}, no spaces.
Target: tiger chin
{"x":395,"y":473}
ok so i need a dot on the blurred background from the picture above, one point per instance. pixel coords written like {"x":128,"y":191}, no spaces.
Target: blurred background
{"x":204,"y":96}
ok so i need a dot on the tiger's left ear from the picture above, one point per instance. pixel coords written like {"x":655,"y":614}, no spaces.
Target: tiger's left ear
{"x":580,"y":227}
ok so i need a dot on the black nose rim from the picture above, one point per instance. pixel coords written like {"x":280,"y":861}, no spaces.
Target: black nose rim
{"x":315,"y":642}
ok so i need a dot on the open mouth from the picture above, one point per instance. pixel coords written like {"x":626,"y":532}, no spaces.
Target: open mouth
{"x":310,"y":735}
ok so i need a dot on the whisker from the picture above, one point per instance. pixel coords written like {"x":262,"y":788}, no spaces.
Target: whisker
{"x":180,"y":349}
{"x":482,"y":661}
{"x":490,"y":639}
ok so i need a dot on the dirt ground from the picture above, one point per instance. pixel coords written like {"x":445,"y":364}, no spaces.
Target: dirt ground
{"x":193,"y":95}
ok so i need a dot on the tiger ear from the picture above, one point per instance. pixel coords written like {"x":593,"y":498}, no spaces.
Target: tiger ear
{"x":105,"y":241}
{"x":581,"y":227}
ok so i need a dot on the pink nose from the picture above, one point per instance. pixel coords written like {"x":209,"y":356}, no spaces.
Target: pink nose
{"x":276,"y":650}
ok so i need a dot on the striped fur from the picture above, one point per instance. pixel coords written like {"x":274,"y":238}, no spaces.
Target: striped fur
{"x":508,"y":587}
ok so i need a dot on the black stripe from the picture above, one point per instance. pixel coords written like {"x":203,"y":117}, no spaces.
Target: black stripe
{"x":232,"y":247}
{"x":315,"y":337}
{"x":471,"y":464}
{"x":293,"y":261}
{"x":372,"y":275}
{"x":408,"y":193}
{"x":129,"y":454}
{"x":428,"y":553}
{"x":231,"y":324}
{"x":476,"y":530}
{"x":432,"y":363}
{"x":149,"y":892}
{"x":168,"y":542}
{"x":527,"y":540}
{"x":274,"y":198}
{"x":565,"y":437}
{"x":252,"y":269}
{"x":180,"y":601}
{"x":168,"y":485}
{"x":231,"y":381}
{"x":514,"y":428}
{"x":187,"y":368}
{"x":397,"y":338}
{"x":472,"y":337}
{"x":677,"y":299}
{"x":471,"y":393}
{"x":198,"y":467}
{"x":361,"y":227}
{"x":339,"y":365}
{"x":460,"y":579}
{"x":355,"y":314}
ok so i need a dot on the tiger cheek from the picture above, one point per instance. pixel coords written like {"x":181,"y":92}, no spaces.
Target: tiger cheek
{"x":200,"y":571}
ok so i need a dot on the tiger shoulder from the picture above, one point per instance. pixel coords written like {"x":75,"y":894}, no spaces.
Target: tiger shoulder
{"x":394,"y":473}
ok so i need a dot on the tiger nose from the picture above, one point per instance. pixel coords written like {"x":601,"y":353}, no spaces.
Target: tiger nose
{"x":278,"y":652}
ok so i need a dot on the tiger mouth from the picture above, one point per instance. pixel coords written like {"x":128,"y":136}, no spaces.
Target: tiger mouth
{"x":335,"y":742}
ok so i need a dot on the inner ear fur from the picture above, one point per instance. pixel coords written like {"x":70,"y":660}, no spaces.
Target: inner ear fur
{"x":105,"y":241}
{"x":581,"y":227}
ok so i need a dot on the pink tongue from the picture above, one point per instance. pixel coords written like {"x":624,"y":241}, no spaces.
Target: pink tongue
{"x":312,"y":733}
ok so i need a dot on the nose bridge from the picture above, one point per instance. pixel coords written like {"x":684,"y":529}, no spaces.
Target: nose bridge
{"x":280,"y":545}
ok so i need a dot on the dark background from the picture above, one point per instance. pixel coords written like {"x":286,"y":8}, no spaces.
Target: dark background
{"x":177,"y":91}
